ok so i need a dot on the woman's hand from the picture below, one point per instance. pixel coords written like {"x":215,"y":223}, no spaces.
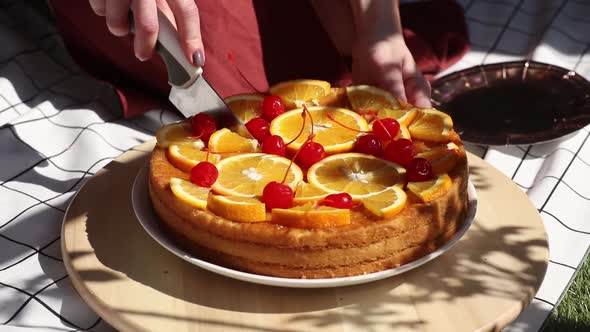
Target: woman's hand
{"x":183,"y":14}
{"x":380,"y":55}
{"x":389,"y":64}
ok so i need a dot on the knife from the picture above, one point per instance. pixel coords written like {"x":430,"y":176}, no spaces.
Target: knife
{"x":190,"y":93}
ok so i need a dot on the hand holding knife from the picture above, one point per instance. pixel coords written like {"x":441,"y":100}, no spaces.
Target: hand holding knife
{"x":190,"y":93}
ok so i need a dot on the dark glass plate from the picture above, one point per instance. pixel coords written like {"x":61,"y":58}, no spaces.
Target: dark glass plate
{"x":521,"y":102}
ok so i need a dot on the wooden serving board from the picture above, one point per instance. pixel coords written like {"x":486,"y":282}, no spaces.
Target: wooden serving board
{"x":482,"y":283}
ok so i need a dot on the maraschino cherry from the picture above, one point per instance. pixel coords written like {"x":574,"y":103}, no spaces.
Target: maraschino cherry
{"x":258,"y":128}
{"x":277,"y":196}
{"x":274,"y":144}
{"x":386,"y":129}
{"x":418,"y":170}
{"x":339,"y":201}
{"x":400,"y":152}
{"x":204,"y":174}
{"x":272,"y":106}
{"x":203,"y":126}
{"x":310,"y":152}
{"x":369,"y":144}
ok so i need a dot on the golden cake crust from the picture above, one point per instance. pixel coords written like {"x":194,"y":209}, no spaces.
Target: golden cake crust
{"x":366,"y":245}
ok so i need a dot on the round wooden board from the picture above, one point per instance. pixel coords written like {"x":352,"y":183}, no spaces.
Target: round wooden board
{"x":483,"y":283}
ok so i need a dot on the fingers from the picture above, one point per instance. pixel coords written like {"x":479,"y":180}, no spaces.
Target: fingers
{"x":165,"y":9}
{"x":145,"y":13}
{"x":416,"y":86}
{"x":418,"y":92}
{"x":117,"y":17}
{"x":183,"y":14}
{"x":98,"y":6}
{"x":395,"y":83}
{"x":188,"y":23}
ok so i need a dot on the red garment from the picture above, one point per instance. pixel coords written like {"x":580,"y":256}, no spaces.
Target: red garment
{"x":435,"y":33}
{"x":272,"y":41}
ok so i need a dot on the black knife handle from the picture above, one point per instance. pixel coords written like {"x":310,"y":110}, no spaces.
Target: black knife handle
{"x":180,"y":71}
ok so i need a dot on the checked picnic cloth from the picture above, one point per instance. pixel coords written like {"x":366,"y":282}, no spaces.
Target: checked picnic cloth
{"x":58,"y":127}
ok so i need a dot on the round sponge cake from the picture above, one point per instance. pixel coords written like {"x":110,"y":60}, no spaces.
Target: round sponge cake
{"x":366,"y":245}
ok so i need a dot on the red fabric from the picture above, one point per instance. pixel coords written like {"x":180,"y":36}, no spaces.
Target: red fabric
{"x":272,"y":41}
{"x":435,"y":33}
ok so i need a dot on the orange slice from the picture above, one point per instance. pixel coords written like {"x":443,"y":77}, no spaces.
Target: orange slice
{"x":403,"y":133}
{"x":360,"y":175}
{"x":431,"y":125}
{"x":443,"y":158}
{"x":225,"y":141}
{"x":297,"y":93}
{"x":245,"y":106}
{"x":431,"y":190}
{"x":308,"y":216}
{"x":246,"y":174}
{"x":404,"y":117}
{"x":307,"y":192}
{"x":190,"y":193}
{"x":387,"y":203}
{"x":421,"y":146}
{"x":366,"y":98}
{"x":240,"y":209}
{"x":332,"y":136}
{"x":175,"y":133}
{"x":336,"y":98}
{"x":185,"y":156}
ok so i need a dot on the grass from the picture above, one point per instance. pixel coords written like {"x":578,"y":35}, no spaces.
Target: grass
{"x":573,"y":312}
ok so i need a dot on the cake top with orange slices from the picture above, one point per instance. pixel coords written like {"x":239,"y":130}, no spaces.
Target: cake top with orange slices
{"x":305,"y":154}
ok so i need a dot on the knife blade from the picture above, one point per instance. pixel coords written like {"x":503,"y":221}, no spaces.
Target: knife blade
{"x":190,"y":93}
{"x":199,"y":97}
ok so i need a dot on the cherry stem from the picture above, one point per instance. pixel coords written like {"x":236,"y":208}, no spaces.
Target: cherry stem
{"x":300,"y":131}
{"x":310,"y":120}
{"x":378,"y":120}
{"x":331,"y":118}
{"x":207,"y":155}
{"x":309,"y":139}
{"x":198,"y":136}
{"x":287,"y":171}
{"x":230,"y":57}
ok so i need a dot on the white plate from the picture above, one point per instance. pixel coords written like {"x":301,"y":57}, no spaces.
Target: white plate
{"x":149,"y":220}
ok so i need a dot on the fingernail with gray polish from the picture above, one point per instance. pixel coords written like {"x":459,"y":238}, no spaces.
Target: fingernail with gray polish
{"x":199,"y":58}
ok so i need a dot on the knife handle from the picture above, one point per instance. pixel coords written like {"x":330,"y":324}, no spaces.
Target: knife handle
{"x":181,"y":72}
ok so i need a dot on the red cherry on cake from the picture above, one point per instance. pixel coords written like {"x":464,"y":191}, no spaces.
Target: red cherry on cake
{"x":258,"y":128}
{"x":204,"y":126}
{"x":339,"y":201}
{"x":277,"y":196}
{"x":386,"y":129}
{"x":272,"y":106}
{"x":369,"y":144}
{"x":310,"y":153}
{"x":418,"y":170}
{"x":400,"y":152}
{"x":204,"y":174}
{"x":274,"y":144}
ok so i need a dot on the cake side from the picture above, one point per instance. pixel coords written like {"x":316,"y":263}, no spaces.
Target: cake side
{"x":364,"y":246}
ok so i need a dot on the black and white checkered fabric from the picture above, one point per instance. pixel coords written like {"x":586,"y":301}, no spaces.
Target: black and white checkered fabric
{"x":58,"y":127}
